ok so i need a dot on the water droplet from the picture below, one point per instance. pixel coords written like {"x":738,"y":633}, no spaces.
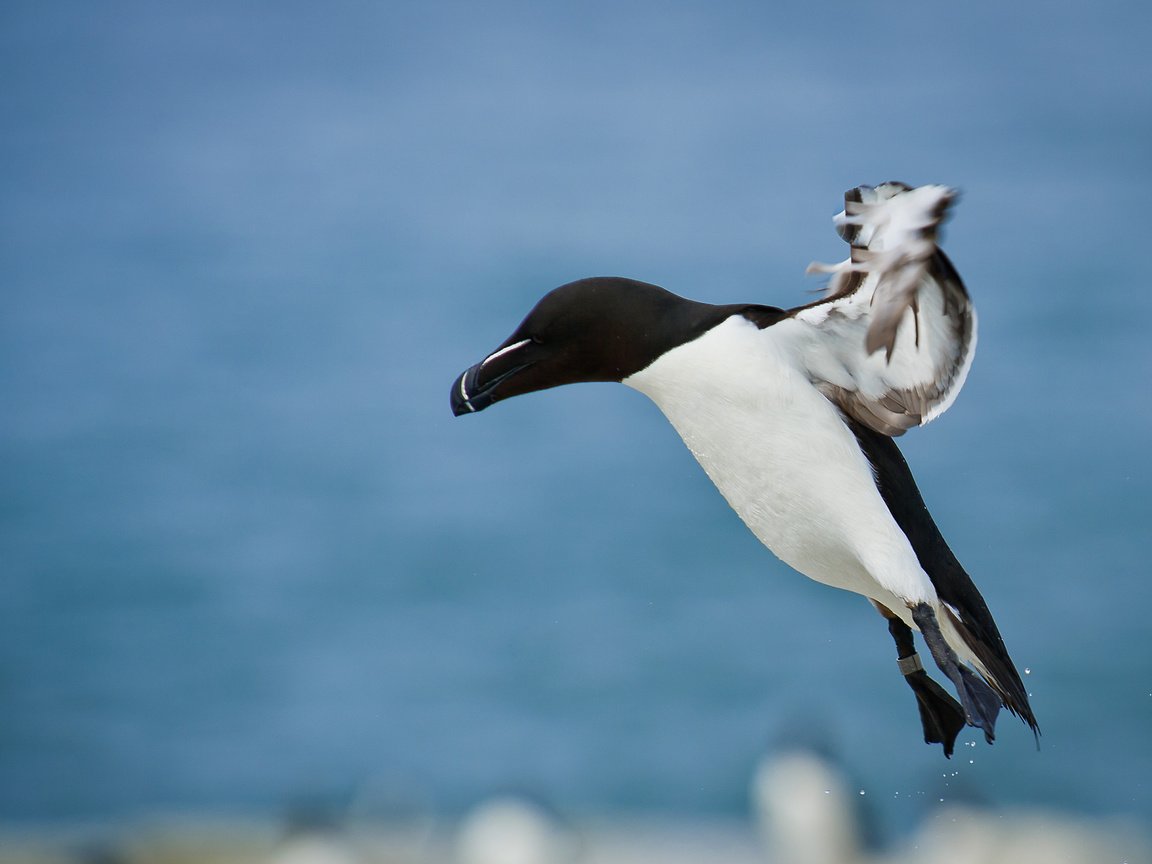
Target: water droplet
{"x":1027,"y":671}
{"x":861,"y":791}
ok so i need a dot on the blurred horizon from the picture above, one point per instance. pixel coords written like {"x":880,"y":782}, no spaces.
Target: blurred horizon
{"x":248,"y":558}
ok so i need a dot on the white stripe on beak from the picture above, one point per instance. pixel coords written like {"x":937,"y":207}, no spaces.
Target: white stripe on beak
{"x":504,"y":351}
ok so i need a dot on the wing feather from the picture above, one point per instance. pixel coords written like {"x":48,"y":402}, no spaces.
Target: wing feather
{"x":892,"y":340}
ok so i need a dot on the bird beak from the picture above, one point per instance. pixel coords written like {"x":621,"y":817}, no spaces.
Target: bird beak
{"x":481,"y":385}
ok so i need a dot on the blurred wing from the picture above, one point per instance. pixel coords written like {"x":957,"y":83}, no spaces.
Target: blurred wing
{"x":893,"y":338}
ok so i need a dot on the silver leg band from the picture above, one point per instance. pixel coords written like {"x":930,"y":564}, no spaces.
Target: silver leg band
{"x":910,"y":664}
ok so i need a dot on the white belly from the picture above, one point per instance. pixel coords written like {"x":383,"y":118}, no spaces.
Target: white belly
{"x":784,"y":460}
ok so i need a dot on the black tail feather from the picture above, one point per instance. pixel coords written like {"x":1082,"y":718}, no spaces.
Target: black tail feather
{"x":967,"y":612}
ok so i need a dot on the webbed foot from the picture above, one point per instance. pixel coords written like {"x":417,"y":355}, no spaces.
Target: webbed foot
{"x":940,"y":715}
{"x":979,"y":701}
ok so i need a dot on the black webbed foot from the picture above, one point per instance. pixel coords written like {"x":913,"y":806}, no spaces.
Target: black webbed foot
{"x":941,"y":716}
{"x":981,"y":704}
{"x":979,"y":701}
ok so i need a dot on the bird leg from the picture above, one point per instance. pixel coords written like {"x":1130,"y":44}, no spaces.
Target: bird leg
{"x":940,"y":714}
{"x":980,"y":702}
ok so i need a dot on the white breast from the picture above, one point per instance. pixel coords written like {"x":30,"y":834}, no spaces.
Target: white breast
{"x":783,"y":458}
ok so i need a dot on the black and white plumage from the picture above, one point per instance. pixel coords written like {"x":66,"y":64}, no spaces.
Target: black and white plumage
{"x":791,"y":413}
{"x":895,"y":267}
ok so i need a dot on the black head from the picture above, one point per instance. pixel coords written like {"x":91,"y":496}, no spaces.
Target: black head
{"x":600,"y":329}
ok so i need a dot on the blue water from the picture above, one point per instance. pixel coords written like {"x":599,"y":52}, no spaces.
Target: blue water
{"x":248,"y":557}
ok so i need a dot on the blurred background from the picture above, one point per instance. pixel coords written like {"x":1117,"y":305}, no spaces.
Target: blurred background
{"x":248,"y":560}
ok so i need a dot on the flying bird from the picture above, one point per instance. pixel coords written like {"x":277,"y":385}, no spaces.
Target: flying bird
{"x":792,"y":412}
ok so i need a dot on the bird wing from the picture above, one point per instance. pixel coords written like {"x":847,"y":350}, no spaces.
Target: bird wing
{"x":892,"y":339}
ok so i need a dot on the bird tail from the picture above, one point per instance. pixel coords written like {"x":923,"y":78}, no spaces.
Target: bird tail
{"x":988,"y":654}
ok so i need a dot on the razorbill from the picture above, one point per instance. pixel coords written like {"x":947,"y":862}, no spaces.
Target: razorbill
{"x":791,"y":412}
